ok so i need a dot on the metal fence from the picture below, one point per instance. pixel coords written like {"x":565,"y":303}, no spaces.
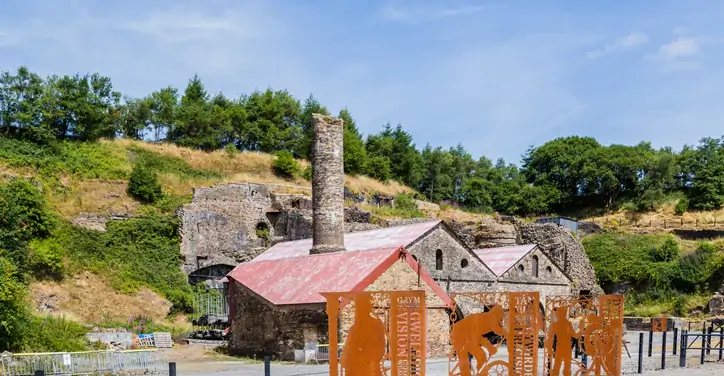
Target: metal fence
{"x":131,"y":362}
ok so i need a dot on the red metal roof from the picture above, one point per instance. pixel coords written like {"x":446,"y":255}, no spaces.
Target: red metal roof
{"x":389,"y":239}
{"x":500,"y":259}
{"x":300,"y":280}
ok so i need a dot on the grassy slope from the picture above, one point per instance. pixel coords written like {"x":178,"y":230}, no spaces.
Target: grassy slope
{"x":92,"y":177}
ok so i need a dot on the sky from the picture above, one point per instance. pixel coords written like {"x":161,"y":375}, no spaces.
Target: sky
{"x":495,"y":76}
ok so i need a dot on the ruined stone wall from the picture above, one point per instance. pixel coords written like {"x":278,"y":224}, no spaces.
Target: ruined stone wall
{"x":259,"y":329}
{"x":548,"y":272}
{"x":219,"y":226}
{"x":564,"y":249}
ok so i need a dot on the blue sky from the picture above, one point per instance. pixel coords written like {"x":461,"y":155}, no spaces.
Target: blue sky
{"x":496,"y":76}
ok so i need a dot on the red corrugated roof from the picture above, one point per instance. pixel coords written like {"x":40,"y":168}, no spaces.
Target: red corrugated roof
{"x":299,"y":280}
{"x":389,"y":238}
{"x":500,"y":259}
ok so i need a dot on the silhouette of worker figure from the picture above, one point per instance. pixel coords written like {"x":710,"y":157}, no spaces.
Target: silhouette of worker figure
{"x":364,"y":350}
{"x":563,"y":331}
{"x":466,"y":338}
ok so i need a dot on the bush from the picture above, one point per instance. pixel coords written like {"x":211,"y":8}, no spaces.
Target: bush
{"x":46,"y":259}
{"x":285,"y":165}
{"x":682,"y":206}
{"x":405,"y":202}
{"x":51,"y":334}
{"x":13,"y":312}
{"x":143,"y":184}
{"x":307,"y":173}
{"x":668,"y":251}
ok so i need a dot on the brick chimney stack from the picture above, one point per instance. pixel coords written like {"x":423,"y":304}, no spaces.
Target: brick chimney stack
{"x":327,"y":185}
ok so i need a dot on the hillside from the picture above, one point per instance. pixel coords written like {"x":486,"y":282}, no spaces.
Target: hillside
{"x":77,"y":147}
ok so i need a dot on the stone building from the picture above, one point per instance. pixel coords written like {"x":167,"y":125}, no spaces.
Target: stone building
{"x":275,"y":303}
{"x":282,"y":284}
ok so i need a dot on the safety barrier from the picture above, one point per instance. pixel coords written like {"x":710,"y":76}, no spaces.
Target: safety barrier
{"x":82,"y":363}
{"x":322,"y":352}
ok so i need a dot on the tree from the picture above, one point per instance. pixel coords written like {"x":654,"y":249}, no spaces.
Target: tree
{"x":273,"y":122}
{"x":396,"y":145}
{"x":355,"y":155}
{"x":311,"y":106}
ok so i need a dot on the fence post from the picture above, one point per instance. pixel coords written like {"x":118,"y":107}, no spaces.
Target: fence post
{"x":641,"y":353}
{"x":703,"y":346}
{"x":721,"y":342}
{"x":267,"y":366}
{"x":708,"y":341}
{"x":651,"y":342}
{"x":172,"y":369}
{"x":684,"y":344}
{"x":663,"y":350}
{"x":676,"y":337}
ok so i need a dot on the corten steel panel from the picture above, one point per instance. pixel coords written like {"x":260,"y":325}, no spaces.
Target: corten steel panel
{"x":515,"y":317}
{"x":658,"y":324}
{"x":385,"y":238}
{"x":522,"y":335}
{"x":500,"y":259}
{"x":597,"y":324}
{"x":299,"y":280}
{"x":388,"y":326}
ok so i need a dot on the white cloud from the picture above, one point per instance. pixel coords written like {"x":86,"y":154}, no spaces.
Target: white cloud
{"x":624,"y":43}
{"x":681,"y":54}
{"x":421,"y":14}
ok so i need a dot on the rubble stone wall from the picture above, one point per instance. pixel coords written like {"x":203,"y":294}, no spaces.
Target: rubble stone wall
{"x":564,"y":249}
{"x":259,"y":329}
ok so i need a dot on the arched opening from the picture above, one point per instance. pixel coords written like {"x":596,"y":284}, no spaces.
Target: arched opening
{"x":262,"y":230}
{"x":521,"y":268}
{"x":534,"y":266}
{"x":464,"y":263}
{"x":438,"y":259}
{"x":549,"y":270}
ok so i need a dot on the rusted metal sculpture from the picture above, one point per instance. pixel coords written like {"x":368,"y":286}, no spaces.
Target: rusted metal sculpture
{"x":388,"y":327}
{"x":595,"y":324}
{"x":658,"y":324}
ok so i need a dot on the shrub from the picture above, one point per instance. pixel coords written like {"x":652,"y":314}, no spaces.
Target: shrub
{"x":143,"y":184}
{"x":682,"y":206}
{"x":51,"y":334}
{"x":405,"y":202}
{"x":13,"y":312}
{"x":46,"y":259}
{"x":285,"y":165}
{"x":669,"y":251}
{"x":231,"y":150}
{"x":307,"y":173}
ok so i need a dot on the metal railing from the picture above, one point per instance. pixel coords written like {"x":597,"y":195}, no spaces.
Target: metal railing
{"x":130,"y":362}
{"x":321,"y":353}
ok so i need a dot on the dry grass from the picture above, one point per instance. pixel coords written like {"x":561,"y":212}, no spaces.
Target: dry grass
{"x":94,"y":196}
{"x":245,"y":167}
{"x":665,"y":216}
{"x":88,"y":298}
{"x":449,"y":214}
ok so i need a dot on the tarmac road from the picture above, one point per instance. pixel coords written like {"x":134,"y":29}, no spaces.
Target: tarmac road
{"x":439,"y":367}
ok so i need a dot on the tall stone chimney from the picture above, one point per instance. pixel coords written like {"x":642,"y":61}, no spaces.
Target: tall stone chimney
{"x":327,"y":185}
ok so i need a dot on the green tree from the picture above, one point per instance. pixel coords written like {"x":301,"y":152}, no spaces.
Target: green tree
{"x":272,"y":122}
{"x":311,"y":106}
{"x":355,"y":155}
{"x":13,"y":312}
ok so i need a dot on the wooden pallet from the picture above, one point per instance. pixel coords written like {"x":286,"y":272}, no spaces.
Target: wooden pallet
{"x":163,"y":340}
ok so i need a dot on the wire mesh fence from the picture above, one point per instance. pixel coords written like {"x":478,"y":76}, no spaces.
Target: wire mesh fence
{"x":130,"y":362}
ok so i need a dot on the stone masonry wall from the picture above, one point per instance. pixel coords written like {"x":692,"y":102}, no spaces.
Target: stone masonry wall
{"x":219,"y":226}
{"x":328,"y":184}
{"x":454,"y":255}
{"x":400,"y":276}
{"x":259,"y":329}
